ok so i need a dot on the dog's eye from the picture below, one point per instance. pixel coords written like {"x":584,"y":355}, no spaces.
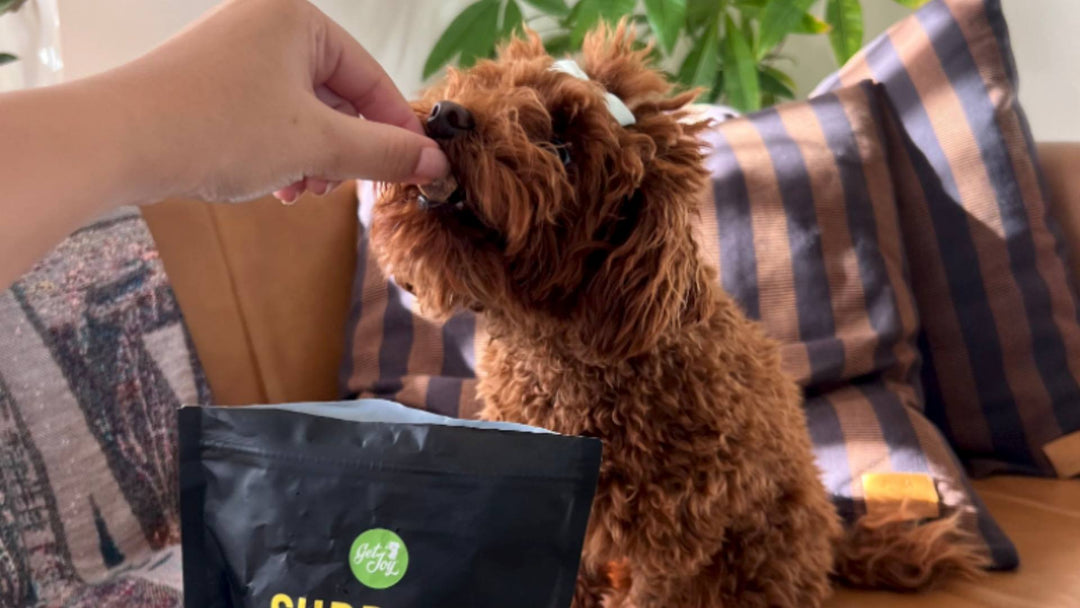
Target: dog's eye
{"x":562,"y":149}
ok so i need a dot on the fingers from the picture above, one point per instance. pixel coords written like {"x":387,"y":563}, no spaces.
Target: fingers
{"x":290,"y":193}
{"x":332,"y":99}
{"x":348,"y":70}
{"x":363,"y":149}
{"x":386,"y":144}
{"x":319,"y":187}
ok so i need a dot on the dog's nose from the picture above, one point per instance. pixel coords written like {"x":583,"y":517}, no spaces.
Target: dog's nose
{"x":449,"y":120}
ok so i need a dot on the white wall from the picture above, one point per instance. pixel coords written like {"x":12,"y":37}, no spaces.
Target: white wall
{"x":1044,"y":42}
{"x":98,"y":34}
{"x":1048,"y":61}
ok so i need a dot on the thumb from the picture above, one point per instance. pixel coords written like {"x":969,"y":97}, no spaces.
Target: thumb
{"x":364,"y":149}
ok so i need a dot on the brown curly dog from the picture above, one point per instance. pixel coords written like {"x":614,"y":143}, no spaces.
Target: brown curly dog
{"x":574,"y":235}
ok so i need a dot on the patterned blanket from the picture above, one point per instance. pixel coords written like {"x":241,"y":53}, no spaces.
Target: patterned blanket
{"x":94,"y":362}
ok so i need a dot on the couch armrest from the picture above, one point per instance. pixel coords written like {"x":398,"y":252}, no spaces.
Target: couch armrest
{"x":264,"y":289}
{"x":1061,"y":165}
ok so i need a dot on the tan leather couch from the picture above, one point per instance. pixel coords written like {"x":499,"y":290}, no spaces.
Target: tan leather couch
{"x":265,"y":289}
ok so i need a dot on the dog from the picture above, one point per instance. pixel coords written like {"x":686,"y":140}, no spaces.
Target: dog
{"x":571,"y":230}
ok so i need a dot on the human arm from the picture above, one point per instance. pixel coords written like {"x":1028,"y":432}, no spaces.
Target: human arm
{"x":260,"y":95}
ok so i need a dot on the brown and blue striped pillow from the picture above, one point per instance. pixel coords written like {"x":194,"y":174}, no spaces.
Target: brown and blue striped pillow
{"x":802,"y":219}
{"x":1002,"y":341}
{"x":393,"y":353}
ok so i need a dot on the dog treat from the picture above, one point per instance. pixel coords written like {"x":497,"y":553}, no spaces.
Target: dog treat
{"x":366,"y":504}
{"x":439,"y":191}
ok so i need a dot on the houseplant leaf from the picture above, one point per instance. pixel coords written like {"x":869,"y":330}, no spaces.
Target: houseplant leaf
{"x":582,"y":18}
{"x":587,"y":13}
{"x":459,"y":32}
{"x":699,"y":13}
{"x":700,"y":66}
{"x":740,"y":69}
{"x":10,"y":5}
{"x":612,"y":10}
{"x":749,"y":34}
{"x":481,"y":42}
{"x":666,"y":18}
{"x":717,"y":88}
{"x":778,"y":20}
{"x":776,"y":83}
{"x":551,"y":7}
{"x":7,"y":58}
{"x":557,"y":45}
{"x":807,"y":24}
{"x":512,"y":19}
{"x":810,"y":24}
{"x":751,"y":7}
{"x":846,"y":19}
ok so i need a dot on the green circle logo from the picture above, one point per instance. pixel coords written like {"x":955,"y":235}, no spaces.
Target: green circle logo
{"x":379,"y":558}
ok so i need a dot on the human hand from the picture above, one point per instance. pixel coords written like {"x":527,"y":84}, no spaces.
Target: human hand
{"x":264,"y":95}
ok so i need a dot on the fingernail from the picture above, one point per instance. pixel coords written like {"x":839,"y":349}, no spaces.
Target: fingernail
{"x":433,"y":165}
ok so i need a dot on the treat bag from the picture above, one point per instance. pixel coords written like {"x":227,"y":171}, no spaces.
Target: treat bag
{"x":368,"y":504}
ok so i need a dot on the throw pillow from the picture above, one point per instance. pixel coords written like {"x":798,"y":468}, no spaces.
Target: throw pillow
{"x":392,"y":352}
{"x":1002,"y":340}
{"x":802,"y":218}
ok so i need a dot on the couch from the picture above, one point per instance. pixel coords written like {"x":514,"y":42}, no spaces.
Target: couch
{"x":265,"y":289}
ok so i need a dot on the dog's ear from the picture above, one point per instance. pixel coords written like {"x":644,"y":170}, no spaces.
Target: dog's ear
{"x":611,"y":57}
{"x":650,"y":285}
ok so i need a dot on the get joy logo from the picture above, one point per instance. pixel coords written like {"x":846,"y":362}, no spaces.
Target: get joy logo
{"x":379,"y":558}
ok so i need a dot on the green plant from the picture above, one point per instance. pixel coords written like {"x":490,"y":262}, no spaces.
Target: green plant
{"x":730,"y":48}
{"x":10,"y":5}
{"x":5,"y":7}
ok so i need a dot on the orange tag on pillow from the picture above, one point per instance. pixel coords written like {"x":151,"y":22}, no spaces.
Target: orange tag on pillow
{"x":886,"y":492}
{"x":1064,"y":454}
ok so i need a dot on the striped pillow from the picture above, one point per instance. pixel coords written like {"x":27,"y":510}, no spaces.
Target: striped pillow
{"x":862,"y":431}
{"x":802,"y":218}
{"x":1002,"y":341}
{"x":393,"y":353}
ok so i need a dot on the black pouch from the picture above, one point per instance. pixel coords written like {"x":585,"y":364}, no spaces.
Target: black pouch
{"x":368,"y":504}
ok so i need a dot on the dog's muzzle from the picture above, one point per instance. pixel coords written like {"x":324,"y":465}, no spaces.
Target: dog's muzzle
{"x":448,"y":120}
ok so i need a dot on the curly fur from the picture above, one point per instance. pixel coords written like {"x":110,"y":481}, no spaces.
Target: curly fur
{"x":606,"y":321}
{"x":895,"y":550}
